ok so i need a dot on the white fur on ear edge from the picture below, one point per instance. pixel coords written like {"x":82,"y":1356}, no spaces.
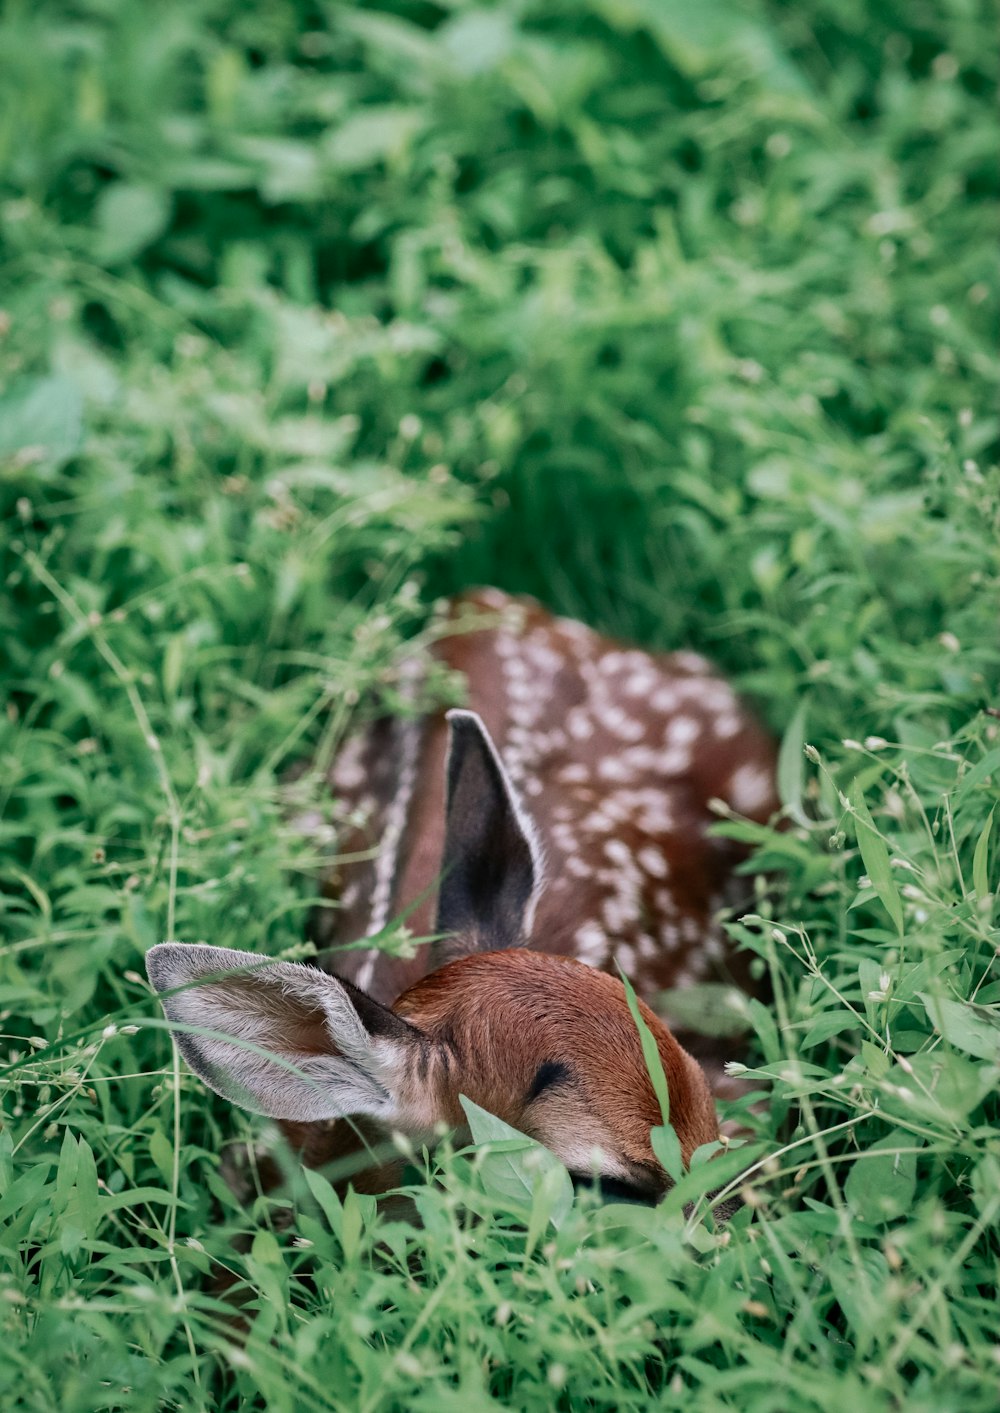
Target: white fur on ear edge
{"x":277,"y":1038}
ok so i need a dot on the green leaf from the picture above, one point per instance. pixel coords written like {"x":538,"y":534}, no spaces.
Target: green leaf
{"x":69,"y":1161}
{"x":87,"y":1189}
{"x":869,"y":980}
{"x":43,"y":415}
{"x":373,"y":134}
{"x":161,"y":1150}
{"x":477,"y":40}
{"x":667,"y":1147}
{"x":913,"y":979}
{"x":328,"y":1200}
{"x":550,"y":1203}
{"x":857,"y":1283}
{"x":406,"y":46}
{"x":830,"y":1023}
{"x":710,"y":1177}
{"x":707,"y":1151}
{"x":940,"y":1085}
{"x":875,"y":856}
{"x":265,"y":1249}
{"x":791,"y":764}
{"x":697,"y":37}
{"x":650,"y":1052}
{"x":6,"y":1159}
{"x":882,"y":1181}
{"x":766,"y":1031}
{"x":24,"y":1191}
{"x":986,"y":1188}
{"x":130,"y":217}
{"x":980,"y":859}
{"x":876,"y":1060}
{"x":982,"y":770}
{"x":138,"y":1196}
{"x":515,"y":1163}
{"x":968,"y":1028}
{"x":351,"y":1225}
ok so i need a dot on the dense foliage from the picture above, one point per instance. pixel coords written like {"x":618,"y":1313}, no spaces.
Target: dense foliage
{"x":679,"y":316}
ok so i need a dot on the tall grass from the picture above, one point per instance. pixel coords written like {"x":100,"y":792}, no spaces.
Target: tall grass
{"x":682,"y":318}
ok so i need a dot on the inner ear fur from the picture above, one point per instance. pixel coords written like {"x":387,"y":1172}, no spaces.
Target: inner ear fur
{"x":280,"y":1038}
{"x":491,"y":867}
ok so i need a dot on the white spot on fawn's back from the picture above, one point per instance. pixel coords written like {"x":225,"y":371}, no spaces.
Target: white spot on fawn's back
{"x":749,"y":788}
{"x":591,"y":943}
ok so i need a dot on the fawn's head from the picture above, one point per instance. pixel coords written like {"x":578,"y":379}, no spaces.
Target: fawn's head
{"x":545,"y":1042}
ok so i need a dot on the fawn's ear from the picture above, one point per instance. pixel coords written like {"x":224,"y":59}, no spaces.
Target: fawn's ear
{"x":491,"y":866}
{"x":282,"y":1039}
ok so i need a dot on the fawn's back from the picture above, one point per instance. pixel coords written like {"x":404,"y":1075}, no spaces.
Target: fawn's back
{"x":615,"y":754}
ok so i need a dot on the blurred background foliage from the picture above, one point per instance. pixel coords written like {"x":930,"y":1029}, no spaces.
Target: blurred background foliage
{"x":680,"y":317}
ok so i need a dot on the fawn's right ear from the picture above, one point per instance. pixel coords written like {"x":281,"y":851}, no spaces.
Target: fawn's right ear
{"x":491,"y":868}
{"x":284,"y":1040}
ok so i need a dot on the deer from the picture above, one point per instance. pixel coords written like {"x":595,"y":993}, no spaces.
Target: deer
{"x":549,"y":837}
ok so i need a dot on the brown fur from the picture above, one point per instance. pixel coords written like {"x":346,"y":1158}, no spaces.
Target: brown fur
{"x":503,"y":1014}
{"x":508,"y":1013}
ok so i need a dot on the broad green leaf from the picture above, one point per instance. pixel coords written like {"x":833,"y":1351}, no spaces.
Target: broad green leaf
{"x":515,"y":1163}
{"x":43,"y":414}
{"x":939,"y":1085}
{"x":407,"y":46}
{"x":130,"y":217}
{"x":882,"y":1180}
{"x":875,"y":856}
{"x":968,"y":1028}
{"x":373,"y":134}
{"x":913,"y":979}
{"x":859,"y":1291}
{"x":876,"y":1060}
{"x":869,"y":980}
{"x":477,"y":40}
{"x":551,"y":1200}
{"x":265,"y":1249}
{"x":707,"y":1151}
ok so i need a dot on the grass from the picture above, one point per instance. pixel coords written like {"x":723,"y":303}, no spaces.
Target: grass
{"x":683,"y":319}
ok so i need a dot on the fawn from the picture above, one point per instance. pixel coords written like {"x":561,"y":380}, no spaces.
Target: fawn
{"x":549,"y":834}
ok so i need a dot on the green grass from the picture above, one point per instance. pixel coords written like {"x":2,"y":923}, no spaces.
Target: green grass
{"x":680,"y":317}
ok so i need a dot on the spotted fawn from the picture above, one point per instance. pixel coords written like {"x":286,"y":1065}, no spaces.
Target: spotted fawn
{"x":550,"y":834}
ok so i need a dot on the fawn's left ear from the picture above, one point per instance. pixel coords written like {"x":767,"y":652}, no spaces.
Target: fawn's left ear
{"x":491,"y":868}
{"x":282,"y":1039}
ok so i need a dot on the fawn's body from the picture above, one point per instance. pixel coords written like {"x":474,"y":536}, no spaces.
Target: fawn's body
{"x":563,"y":837}
{"x":615,"y":754}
